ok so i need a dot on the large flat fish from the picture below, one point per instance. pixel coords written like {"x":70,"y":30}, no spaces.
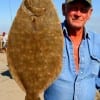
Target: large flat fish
{"x":35,"y":46}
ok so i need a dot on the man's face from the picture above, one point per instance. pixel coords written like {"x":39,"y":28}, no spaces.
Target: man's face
{"x":76,"y":14}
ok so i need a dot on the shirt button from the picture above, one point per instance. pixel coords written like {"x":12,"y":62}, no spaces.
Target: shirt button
{"x":81,"y":72}
{"x":76,"y":98}
{"x":82,"y":59}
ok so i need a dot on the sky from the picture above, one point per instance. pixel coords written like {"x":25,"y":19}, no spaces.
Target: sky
{"x":8,"y":10}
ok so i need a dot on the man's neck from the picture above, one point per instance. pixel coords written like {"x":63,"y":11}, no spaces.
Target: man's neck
{"x":75,"y":35}
{"x":76,"y":38}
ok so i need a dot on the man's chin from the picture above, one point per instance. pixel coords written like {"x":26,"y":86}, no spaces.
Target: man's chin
{"x":77,"y":26}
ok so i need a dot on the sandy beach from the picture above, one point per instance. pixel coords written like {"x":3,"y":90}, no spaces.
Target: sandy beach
{"x":9,"y":90}
{"x":8,"y":86}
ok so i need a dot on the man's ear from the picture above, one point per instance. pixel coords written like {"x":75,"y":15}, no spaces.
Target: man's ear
{"x":63,"y":9}
{"x":90,"y":12}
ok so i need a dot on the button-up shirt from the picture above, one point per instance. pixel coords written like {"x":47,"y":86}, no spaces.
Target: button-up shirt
{"x":71,"y":85}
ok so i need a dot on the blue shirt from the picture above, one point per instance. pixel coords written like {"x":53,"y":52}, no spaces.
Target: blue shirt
{"x":82,"y":85}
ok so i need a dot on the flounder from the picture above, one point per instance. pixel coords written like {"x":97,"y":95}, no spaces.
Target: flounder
{"x":35,"y":46}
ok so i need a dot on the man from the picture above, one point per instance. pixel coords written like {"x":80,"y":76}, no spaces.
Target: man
{"x":81,"y":56}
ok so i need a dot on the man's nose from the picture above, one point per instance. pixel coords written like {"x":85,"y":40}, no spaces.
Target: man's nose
{"x":78,"y":12}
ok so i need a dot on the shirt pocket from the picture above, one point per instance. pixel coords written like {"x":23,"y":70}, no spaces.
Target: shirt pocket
{"x":95,"y":68}
{"x":95,"y":52}
{"x":95,"y":64}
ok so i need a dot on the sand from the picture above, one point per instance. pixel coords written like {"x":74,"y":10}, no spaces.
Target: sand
{"x":9,"y":89}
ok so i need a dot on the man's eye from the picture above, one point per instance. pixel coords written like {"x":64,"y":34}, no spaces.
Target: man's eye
{"x":73,"y":8}
{"x":83,"y":10}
